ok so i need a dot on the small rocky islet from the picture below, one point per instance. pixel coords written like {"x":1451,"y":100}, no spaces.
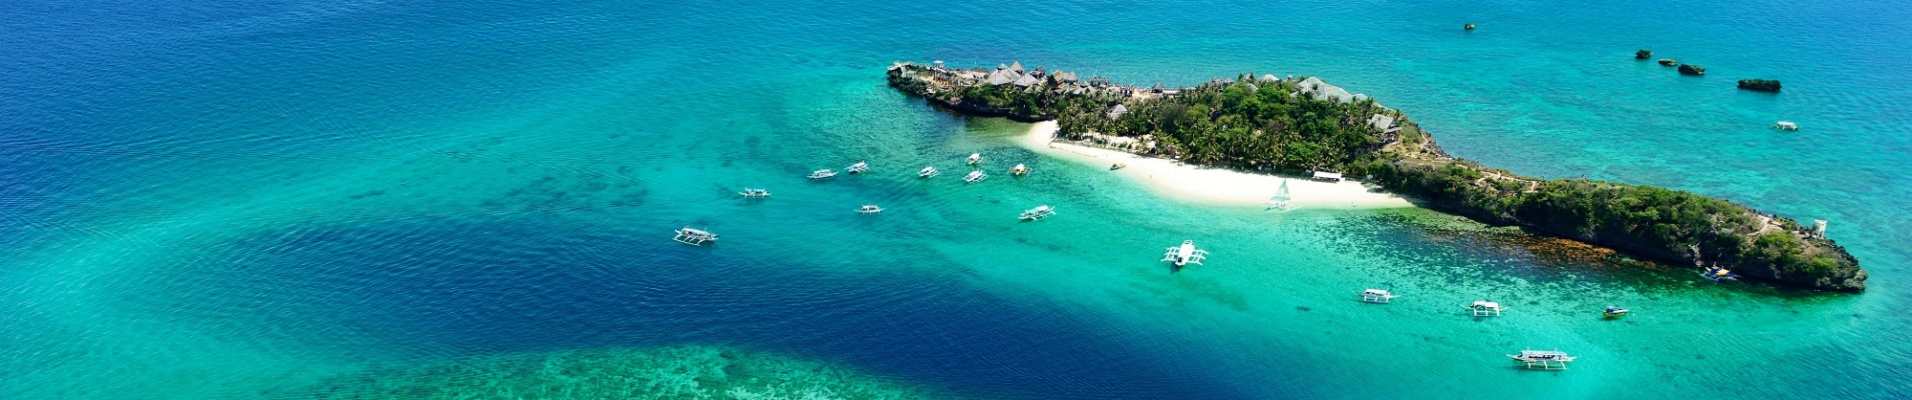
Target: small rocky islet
{"x":1297,"y":125}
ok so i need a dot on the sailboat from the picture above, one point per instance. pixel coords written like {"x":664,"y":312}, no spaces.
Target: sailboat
{"x":1281,"y":199}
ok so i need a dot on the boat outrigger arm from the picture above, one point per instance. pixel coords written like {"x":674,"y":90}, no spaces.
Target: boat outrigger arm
{"x":1185,"y":254}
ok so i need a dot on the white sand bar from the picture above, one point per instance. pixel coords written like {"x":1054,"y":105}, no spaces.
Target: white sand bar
{"x":1216,"y":186}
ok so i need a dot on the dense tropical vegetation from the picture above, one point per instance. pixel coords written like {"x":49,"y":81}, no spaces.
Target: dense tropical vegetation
{"x":1291,"y":126}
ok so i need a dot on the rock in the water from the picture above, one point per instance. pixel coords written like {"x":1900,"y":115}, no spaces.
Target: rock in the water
{"x":1762,"y":85}
{"x":1643,"y":54}
{"x":1690,"y":69}
{"x":1468,"y":27}
{"x":1669,"y":62}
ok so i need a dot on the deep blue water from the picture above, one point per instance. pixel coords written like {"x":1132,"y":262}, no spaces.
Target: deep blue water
{"x":234,"y":199}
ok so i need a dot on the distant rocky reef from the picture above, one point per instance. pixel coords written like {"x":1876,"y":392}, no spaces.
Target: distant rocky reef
{"x":691,"y":372}
{"x":1760,"y":85}
{"x":1690,"y":69}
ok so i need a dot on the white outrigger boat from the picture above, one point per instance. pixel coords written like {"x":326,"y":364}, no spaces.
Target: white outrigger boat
{"x":1786,"y":126}
{"x":1185,"y":254}
{"x":869,"y":209}
{"x":1543,"y":359}
{"x":1019,"y":170}
{"x":1614,"y":312}
{"x":1377,"y":296}
{"x":1484,"y":308}
{"x":975,"y":176}
{"x":822,"y":173}
{"x":748,"y":192}
{"x":1040,"y":212}
{"x":975,"y":158}
{"x":694,"y":237}
{"x":858,"y":168}
{"x":928,"y":171}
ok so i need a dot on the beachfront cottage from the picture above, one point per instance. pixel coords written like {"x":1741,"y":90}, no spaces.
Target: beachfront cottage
{"x":1063,"y":77}
{"x":1117,"y":111}
{"x":1016,"y":66}
{"x":1098,"y":81}
{"x":1157,"y":88}
{"x":1027,"y":80}
{"x":1002,"y":77}
{"x":1383,"y":123}
{"x":1323,"y":91}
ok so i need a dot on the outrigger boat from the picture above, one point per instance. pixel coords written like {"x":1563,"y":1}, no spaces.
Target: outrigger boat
{"x":1019,"y":170}
{"x":926,"y":172}
{"x":748,"y":192}
{"x":822,"y":173}
{"x":1117,"y":166}
{"x":869,"y":209}
{"x":1716,"y":274}
{"x":858,"y":167}
{"x":694,"y":237}
{"x":1543,"y":359}
{"x":1281,"y":200}
{"x":975,"y":176}
{"x":1037,"y":213}
{"x":1614,"y":312}
{"x":975,"y":158}
{"x":1377,"y":296}
{"x":1484,"y":308}
{"x":1185,"y":254}
{"x":1786,"y":126}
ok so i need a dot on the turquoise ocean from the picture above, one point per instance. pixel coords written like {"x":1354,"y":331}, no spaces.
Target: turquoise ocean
{"x":291,"y":199}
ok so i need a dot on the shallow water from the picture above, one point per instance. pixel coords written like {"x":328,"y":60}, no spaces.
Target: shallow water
{"x":246,"y":199}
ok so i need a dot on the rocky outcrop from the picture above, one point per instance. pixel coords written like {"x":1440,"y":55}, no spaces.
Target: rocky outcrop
{"x":1690,"y":69}
{"x":1643,"y":54}
{"x":1669,"y":62}
{"x":1760,"y":85}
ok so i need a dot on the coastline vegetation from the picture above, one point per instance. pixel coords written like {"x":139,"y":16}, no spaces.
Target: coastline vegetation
{"x":1294,"y":126}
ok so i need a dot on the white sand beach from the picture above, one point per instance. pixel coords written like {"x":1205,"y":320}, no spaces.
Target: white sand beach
{"x":1214,"y":186}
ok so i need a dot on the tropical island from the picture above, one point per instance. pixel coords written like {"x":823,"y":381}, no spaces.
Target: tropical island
{"x":1291,"y":125}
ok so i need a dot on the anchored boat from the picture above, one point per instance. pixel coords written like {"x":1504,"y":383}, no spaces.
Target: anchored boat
{"x":858,"y":167}
{"x":1786,"y":126}
{"x":975,"y":158}
{"x":694,"y":237}
{"x":1117,"y":166}
{"x":1377,"y":296}
{"x":1185,"y":254}
{"x":1543,"y":359}
{"x":1280,"y":202}
{"x":1038,"y":213}
{"x":1614,"y":312}
{"x":869,"y":209}
{"x":926,"y":172}
{"x":1484,"y":308}
{"x":975,"y":176}
{"x":748,"y":192}
{"x":822,"y":173}
{"x":1717,"y":273}
{"x":1019,"y":170}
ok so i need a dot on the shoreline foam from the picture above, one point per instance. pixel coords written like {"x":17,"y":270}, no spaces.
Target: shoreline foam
{"x":1211,"y":186}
